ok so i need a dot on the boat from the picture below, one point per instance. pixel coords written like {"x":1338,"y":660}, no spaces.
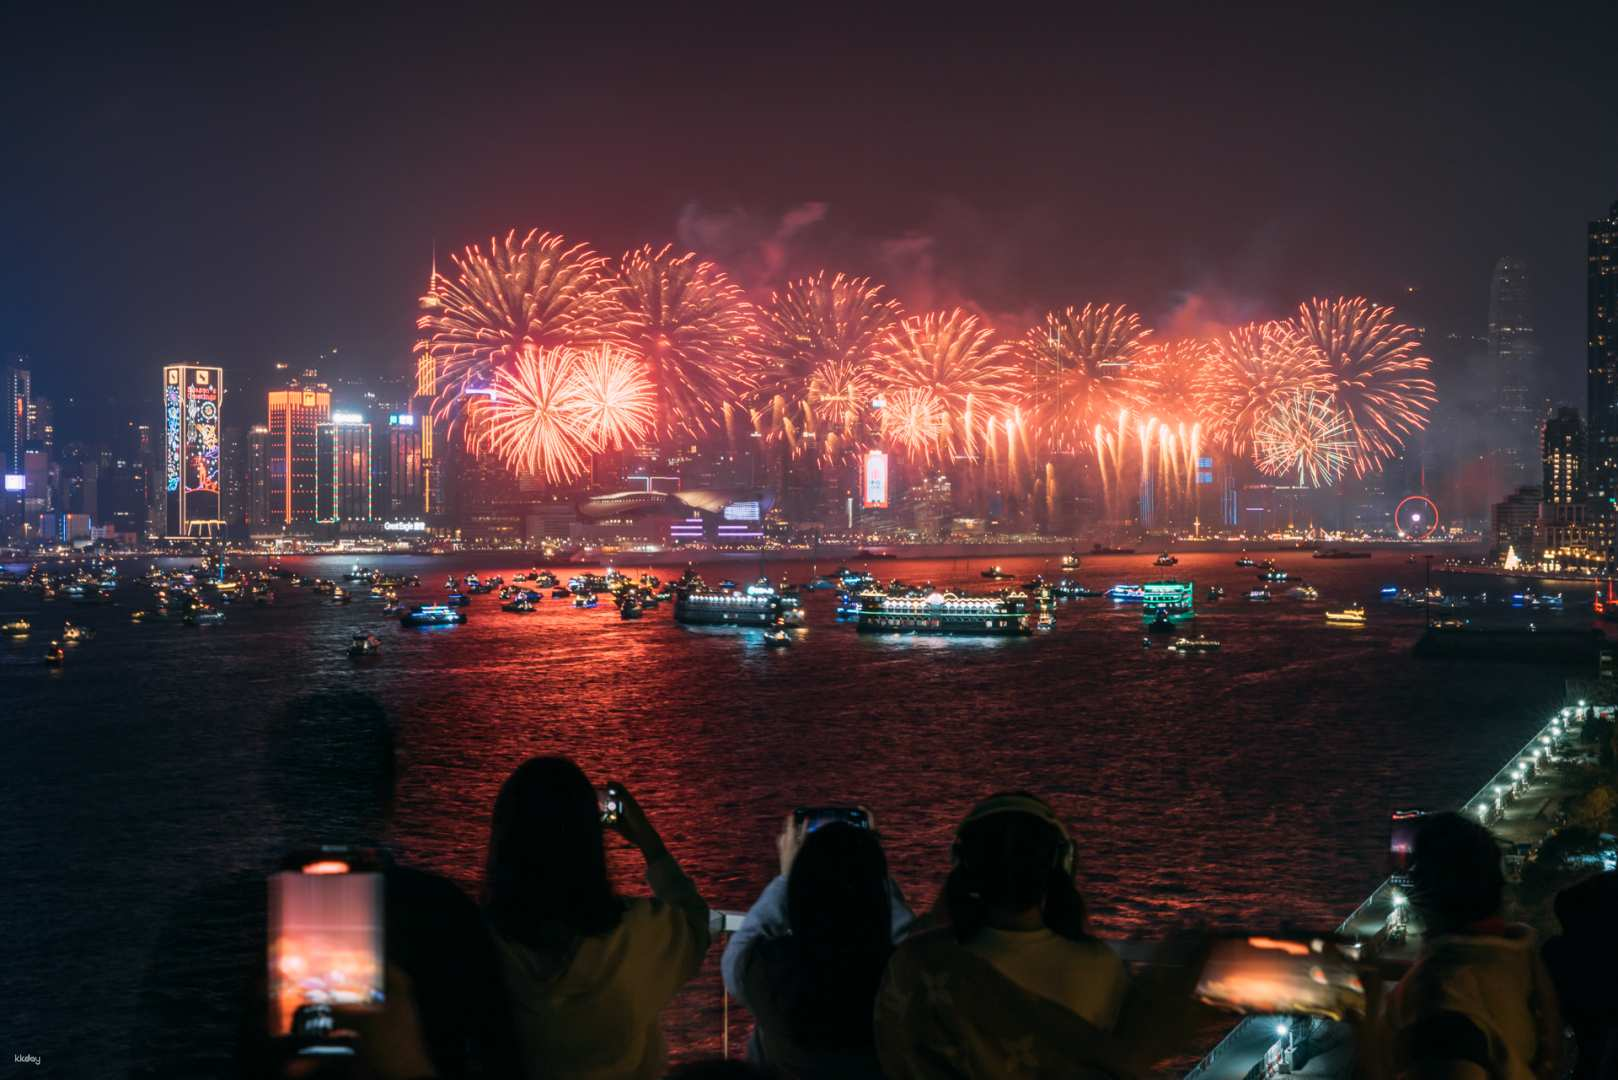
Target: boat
{"x":729,"y":584}
{"x":1349,"y":616}
{"x":1170,"y":600}
{"x":877,"y":553}
{"x":1260,"y":595}
{"x":1070,"y":561}
{"x":141,"y":615}
{"x":1068,"y":588}
{"x":1305,"y":592}
{"x":457,"y":599}
{"x":1274,"y":574}
{"x":1199,"y":644}
{"x":854,"y":579}
{"x":996,"y":573}
{"x":393,"y":607}
{"x":54,"y":653}
{"x":520,"y":606}
{"x":757,"y":605}
{"x":76,"y":633}
{"x":364,"y":645}
{"x":340,"y":595}
{"x":1161,"y":624}
{"x":432,"y":615}
{"x":776,"y":637}
{"x":1245,"y":561}
{"x":944,"y":613}
{"x":202,"y":616}
{"x":1165,"y":559}
{"x":1125,"y":594}
{"x":629,"y":609}
{"x":1097,"y":549}
{"x":585,"y":600}
{"x":1216,"y":592}
{"x":17,"y":628}
{"x":561,"y":592}
{"x":1340,"y":553}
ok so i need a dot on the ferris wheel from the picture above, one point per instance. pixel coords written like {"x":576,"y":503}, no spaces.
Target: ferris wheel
{"x":1416,"y":517}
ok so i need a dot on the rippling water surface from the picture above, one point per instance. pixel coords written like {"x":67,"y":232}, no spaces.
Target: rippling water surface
{"x":1249,"y":786}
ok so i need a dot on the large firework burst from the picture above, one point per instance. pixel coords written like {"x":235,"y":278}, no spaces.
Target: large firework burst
{"x":962,"y":369}
{"x":819,"y":339}
{"x":535,"y":290}
{"x":915,"y":421}
{"x":693,"y":327}
{"x":1251,"y":371}
{"x":535,"y":416}
{"x":1171,"y":371}
{"x":1375,"y":370}
{"x":617,"y":398}
{"x":1305,"y":435}
{"x":1082,"y":366}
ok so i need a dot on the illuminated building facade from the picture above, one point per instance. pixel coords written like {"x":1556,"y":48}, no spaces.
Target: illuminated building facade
{"x":1513,"y":359}
{"x":193,"y":399}
{"x":16,"y":396}
{"x":432,"y":452}
{"x":403,"y":468}
{"x":295,"y":416}
{"x":256,"y":477}
{"x":1602,"y":359}
{"x":343,"y":488}
{"x":1562,"y":457}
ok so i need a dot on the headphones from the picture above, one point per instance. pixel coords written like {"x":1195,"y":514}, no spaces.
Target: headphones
{"x":1015,"y":803}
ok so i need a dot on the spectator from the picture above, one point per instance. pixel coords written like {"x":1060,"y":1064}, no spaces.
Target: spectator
{"x":1583,"y":963}
{"x":1477,"y":1001}
{"x":1013,"y":985}
{"x":809,"y":957}
{"x":330,"y":774}
{"x":588,"y":971}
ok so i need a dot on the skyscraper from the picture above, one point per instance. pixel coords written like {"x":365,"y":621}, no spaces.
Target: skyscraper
{"x":256,"y":478}
{"x":295,"y":415}
{"x":343,"y":457}
{"x":1562,"y":458}
{"x":17,"y":398}
{"x":403,"y":469}
{"x":433,"y":502}
{"x":1601,"y":366}
{"x":193,"y":399}
{"x":1513,"y":362}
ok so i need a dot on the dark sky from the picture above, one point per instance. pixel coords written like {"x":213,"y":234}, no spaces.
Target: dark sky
{"x":181,"y":185}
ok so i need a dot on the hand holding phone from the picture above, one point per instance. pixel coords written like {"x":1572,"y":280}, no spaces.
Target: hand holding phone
{"x":813,"y":817}
{"x":630,"y":820}
{"x":1282,"y":974}
{"x":325,"y":941}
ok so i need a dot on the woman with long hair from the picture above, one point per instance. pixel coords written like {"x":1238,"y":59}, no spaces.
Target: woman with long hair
{"x":588,"y":971}
{"x":810,"y":955}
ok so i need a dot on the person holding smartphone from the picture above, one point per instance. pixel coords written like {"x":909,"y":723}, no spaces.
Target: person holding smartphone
{"x":809,"y":956}
{"x":587,"y":971}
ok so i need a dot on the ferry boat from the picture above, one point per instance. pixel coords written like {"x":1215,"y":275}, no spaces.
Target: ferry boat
{"x":1349,"y":616}
{"x":996,"y":573}
{"x":757,"y":605}
{"x":1199,"y":644}
{"x":1165,"y":559}
{"x":1174,"y":601}
{"x":854,"y":579}
{"x":944,"y":613}
{"x":17,"y":628}
{"x":1126,"y":594}
{"x":1260,"y":595}
{"x":432,"y":615}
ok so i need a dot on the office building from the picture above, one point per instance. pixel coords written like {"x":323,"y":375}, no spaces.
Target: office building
{"x":193,"y":399}
{"x":1513,"y":520}
{"x":295,"y":415}
{"x":16,"y":395}
{"x":1513,"y":364}
{"x":343,"y":487}
{"x":433,"y":437}
{"x":1601,"y":366}
{"x":256,"y":479}
{"x":401,"y":470}
{"x":1562,"y":458}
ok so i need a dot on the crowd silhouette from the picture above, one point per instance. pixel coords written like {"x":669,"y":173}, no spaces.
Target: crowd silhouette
{"x":556,"y":973}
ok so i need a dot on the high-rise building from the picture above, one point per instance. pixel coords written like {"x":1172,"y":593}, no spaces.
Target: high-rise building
{"x":193,"y":400}
{"x":295,"y":415}
{"x":343,"y":457}
{"x":1601,"y":367}
{"x":256,"y":478}
{"x":17,"y":399}
{"x":1513,"y":363}
{"x":433,"y":437}
{"x":402,"y":469}
{"x":1562,"y":458}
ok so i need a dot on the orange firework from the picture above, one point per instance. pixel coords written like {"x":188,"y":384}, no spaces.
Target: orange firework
{"x":1251,"y":371}
{"x":1082,"y":366}
{"x":1171,"y":371}
{"x":1375,"y":372}
{"x":535,"y":417}
{"x":537,"y":290}
{"x":818,"y":340}
{"x":618,"y":400}
{"x":914,"y":420}
{"x":694,"y":329}
{"x":955,"y":360}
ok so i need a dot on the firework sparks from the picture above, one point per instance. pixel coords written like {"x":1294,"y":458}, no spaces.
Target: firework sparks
{"x":693,"y":327}
{"x":535,"y":417}
{"x":1083,"y":365}
{"x":538,"y":290}
{"x":956,"y":361}
{"x":1171,"y":372}
{"x":1305,"y":435}
{"x":617,"y":398}
{"x":915,"y":421}
{"x":1375,"y":370}
{"x":819,"y":339}
{"x":1252,"y":370}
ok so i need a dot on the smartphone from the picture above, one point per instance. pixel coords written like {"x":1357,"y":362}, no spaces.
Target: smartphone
{"x":1282,"y":974}
{"x":610,"y":805}
{"x":1402,"y":843}
{"x":813,"y":817}
{"x":326,"y":943}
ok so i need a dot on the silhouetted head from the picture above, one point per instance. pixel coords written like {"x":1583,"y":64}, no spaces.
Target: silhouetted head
{"x":331,"y":767}
{"x":1013,"y":854}
{"x":841,"y":917}
{"x":546,"y":882}
{"x":1455,"y":872}
{"x":718,"y":1069}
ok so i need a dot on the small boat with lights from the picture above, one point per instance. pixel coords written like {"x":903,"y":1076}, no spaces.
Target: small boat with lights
{"x":1274,"y":573}
{"x":777,"y":637}
{"x":1244,"y":561}
{"x":1305,"y":592}
{"x":1067,"y":588}
{"x":1216,"y":592}
{"x":74,"y":633}
{"x":944,"y":613}
{"x":1260,"y":595}
{"x":519,"y":606}
{"x":203,"y":616}
{"x":997,"y":573}
{"x":364,"y":646}
{"x":757,"y":605}
{"x":1126,"y":594}
{"x":1199,"y":644}
{"x":630,"y":608}
{"x":1349,"y":616}
{"x":586,"y":600}
{"x":432,"y":615}
{"x":1070,"y":561}
{"x":17,"y":628}
{"x":457,"y":599}
{"x":54,"y":653}
{"x":1165,"y":559}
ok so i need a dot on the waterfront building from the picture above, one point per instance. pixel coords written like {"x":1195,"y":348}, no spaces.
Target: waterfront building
{"x":1562,"y":445}
{"x":400,"y":469}
{"x":1602,"y":358}
{"x":1513,"y":363}
{"x":193,"y":401}
{"x":295,"y":415}
{"x":433,"y":437}
{"x":16,"y":398}
{"x":256,"y":478}
{"x":1513,"y":520}
{"x":343,"y":485}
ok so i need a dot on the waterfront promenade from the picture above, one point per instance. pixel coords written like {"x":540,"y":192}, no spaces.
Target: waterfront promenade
{"x":1519,"y":804}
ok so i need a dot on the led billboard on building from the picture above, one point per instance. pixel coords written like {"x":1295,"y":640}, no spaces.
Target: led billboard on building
{"x":874,"y":480}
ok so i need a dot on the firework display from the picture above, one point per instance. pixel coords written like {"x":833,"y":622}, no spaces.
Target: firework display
{"x":1308,"y":437}
{"x":544,"y":355}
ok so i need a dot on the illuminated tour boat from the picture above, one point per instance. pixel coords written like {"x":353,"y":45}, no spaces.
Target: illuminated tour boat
{"x":757,"y":605}
{"x":1349,"y":616}
{"x":1171,"y":600}
{"x":432,"y":615}
{"x":944,"y":613}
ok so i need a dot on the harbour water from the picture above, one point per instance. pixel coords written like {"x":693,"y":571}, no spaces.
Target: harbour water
{"x":1248,"y":786}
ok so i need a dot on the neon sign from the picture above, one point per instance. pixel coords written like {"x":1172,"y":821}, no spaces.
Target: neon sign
{"x":874,"y":480}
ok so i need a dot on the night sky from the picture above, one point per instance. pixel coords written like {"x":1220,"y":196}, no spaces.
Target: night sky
{"x":181,"y":187}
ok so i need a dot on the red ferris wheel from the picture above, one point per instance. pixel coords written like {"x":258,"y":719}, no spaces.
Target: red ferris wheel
{"x":1416,"y":517}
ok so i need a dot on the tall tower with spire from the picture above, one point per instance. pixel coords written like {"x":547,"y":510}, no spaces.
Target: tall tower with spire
{"x":432,"y":448}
